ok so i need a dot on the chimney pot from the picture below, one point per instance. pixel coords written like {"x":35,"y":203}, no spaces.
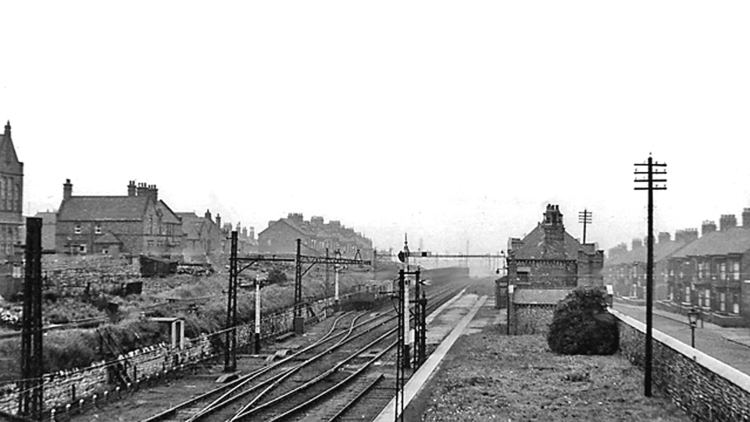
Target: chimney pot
{"x":727,"y":221}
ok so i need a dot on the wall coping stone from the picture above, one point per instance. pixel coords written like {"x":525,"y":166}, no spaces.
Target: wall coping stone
{"x":714,"y":365}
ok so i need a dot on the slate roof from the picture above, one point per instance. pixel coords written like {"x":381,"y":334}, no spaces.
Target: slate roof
{"x":662,"y":250}
{"x":167,"y":215}
{"x":733,"y":241}
{"x":8,"y":151}
{"x":191,"y":224}
{"x":103,"y":208}
{"x":532,"y":245}
{"x":107,"y":239}
{"x":539,"y":296}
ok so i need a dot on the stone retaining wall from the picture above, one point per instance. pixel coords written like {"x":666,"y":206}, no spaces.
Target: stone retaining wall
{"x":99,"y":380}
{"x":707,"y":389}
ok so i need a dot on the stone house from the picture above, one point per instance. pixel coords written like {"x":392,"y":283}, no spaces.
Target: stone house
{"x":11,"y":220}
{"x":49,"y":221}
{"x":542,"y":268}
{"x":11,"y":195}
{"x":531,"y":310}
{"x":202,"y":236}
{"x":549,"y":257}
{"x":280,"y":237}
{"x":713,"y":272}
{"x":138,"y":223}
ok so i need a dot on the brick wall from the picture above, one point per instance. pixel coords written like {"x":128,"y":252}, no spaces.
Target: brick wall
{"x":707,"y":389}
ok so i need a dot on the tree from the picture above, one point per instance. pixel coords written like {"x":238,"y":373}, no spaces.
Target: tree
{"x":581,"y":325}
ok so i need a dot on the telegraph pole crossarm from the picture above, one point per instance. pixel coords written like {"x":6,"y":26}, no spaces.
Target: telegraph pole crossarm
{"x":584,"y":217}
{"x":651,"y":168}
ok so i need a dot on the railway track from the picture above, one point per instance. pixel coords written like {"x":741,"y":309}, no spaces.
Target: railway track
{"x":337,"y":368}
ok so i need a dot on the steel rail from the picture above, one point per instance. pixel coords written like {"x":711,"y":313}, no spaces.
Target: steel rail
{"x":173,"y":410}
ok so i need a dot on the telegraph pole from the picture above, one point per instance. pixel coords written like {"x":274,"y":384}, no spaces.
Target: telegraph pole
{"x":584,"y":217}
{"x":652,"y":169}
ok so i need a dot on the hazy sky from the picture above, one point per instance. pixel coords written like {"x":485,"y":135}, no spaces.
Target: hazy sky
{"x":449,"y":120}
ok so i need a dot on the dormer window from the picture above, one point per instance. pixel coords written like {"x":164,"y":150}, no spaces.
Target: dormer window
{"x":77,"y":229}
{"x":98,"y":229}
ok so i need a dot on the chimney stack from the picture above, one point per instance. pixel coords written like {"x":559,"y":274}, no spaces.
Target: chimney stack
{"x":131,"y":188}
{"x":554,"y":233}
{"x":218,"y":220}
{"x":727,"y":221}
{"x":153,"y":192}
{"x":7,"y":129}
{"x":617,"y":250}
{"x":67,"y":189}
{"x":686,"y":235}
{"x":207,"y":215}
{"x":636,"y":244}
{"x":746,"y":218}
{"x":142,"y":189}
{"x":707,"y":227}
{"x":664,"y":237}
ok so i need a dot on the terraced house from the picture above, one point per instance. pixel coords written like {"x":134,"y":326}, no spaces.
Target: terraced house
{"x":280,"y":237}
{"x":138,"y":223}
{"x":625,"y":269}
{"x":713,"y":272}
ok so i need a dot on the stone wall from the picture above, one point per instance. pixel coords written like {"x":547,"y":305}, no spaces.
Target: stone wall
{"x":707,"y":389}
{"x":83,"y":386}
{"x":531,"y":318}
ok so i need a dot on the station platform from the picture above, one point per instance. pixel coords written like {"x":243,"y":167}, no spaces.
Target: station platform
{"x":444,"y":327}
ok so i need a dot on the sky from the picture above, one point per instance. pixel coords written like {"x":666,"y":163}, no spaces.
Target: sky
{"x":450,"y":121}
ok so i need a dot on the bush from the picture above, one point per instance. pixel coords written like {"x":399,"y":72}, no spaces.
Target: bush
{"x":276,"y":276}
{"x":582,"y":326}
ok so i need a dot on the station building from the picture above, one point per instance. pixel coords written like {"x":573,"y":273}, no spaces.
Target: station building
{"x":542,"y":268}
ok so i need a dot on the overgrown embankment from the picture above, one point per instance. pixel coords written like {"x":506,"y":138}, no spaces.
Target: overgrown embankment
{"x":80,"y":347}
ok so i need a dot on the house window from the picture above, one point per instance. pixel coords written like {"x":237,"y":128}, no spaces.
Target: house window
{"x":707,"y":298}
{"x":98,"y":229}
{"x":723,"y":271}
{"x":77,"y":229}
{"x":82,"y":248}
{"x":687,"y":294}
{"x":735,"y":304}
{"x":735,"y":270}
{"x":723,"y":302}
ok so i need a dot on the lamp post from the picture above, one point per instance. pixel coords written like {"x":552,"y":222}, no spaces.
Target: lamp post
{"x":693,"y":320}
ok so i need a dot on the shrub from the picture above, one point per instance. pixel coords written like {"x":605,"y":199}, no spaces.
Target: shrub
{"x":276,"y":276}
{"x":581,"y":325}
